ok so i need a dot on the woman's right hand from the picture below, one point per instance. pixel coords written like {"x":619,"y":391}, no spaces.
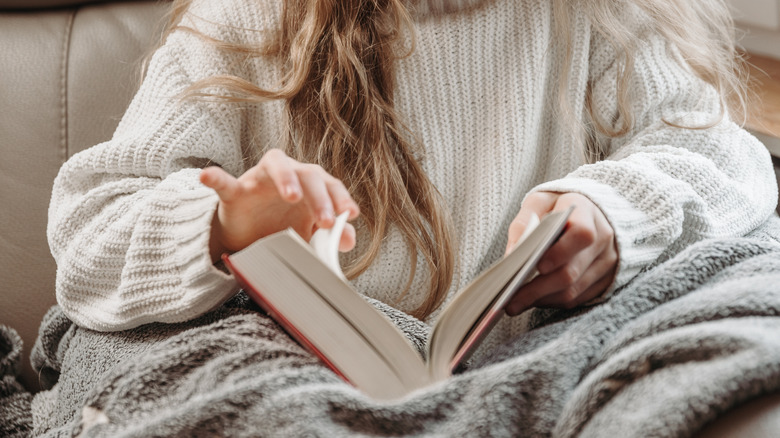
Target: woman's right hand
{"x":277,"y":193}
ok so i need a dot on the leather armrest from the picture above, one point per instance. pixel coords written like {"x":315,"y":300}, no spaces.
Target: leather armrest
{"x":68,"y":75}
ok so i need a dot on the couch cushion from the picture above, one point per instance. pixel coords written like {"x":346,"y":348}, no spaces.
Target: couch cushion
{"x":68,"y":76}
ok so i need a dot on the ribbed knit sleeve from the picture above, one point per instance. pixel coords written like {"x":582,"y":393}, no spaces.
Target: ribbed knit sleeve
{"x":129,"y":221}
{"x":663,"y":187}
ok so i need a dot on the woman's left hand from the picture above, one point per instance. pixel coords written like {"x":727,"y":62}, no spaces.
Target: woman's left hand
{"x":579,"y":266}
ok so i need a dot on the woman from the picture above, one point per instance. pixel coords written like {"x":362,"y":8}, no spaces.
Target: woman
{"x":440,"y":126}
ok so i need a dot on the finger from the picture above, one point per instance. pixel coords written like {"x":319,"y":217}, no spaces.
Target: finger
{"x":281,"y":169}
{"x":567,"y":300}
{"x":341,"y":199}
{"x":315,"y":193}
{"x":538,"y":203}
{"x":584,"y":288}
{"x":587,"y":226}
{"x":548,"y":284}
{"x":521,"y":301}
{"x":567,"y":283}
{"x":348,"y":240}
{"x":580,"y":234}
{"x":216,"y":178}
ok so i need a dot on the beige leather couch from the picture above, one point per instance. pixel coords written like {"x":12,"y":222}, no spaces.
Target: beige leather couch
{"x":67,"y":72}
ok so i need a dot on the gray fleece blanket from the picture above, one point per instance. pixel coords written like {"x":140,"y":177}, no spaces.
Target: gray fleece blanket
{"x":685,"y":341}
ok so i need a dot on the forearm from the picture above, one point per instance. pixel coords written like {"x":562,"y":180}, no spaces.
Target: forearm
{"x":662,"y":198}
{"x":134,"y":251}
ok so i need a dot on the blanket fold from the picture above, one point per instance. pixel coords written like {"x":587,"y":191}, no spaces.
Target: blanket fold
{"x":15,"y":419}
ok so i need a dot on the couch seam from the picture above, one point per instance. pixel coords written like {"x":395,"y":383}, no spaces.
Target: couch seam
{"x":65,"y":53}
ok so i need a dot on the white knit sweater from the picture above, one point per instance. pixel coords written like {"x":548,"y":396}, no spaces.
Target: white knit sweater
{"x":129,"y":222}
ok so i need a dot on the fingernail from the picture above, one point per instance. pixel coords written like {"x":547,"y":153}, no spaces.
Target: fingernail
{"x":326,"y":216}
{"x":291,"y":191}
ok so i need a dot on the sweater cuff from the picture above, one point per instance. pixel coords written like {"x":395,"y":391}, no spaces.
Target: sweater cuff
{"x":629,"y":223}
{"x":205,"y":286}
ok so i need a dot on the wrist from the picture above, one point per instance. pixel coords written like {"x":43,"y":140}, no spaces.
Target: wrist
{"x":216,"y":247}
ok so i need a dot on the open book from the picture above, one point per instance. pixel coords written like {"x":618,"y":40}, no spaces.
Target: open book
{"x":301,"y":286}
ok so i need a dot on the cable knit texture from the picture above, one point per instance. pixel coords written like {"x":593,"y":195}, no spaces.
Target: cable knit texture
{"x":129,"y":222}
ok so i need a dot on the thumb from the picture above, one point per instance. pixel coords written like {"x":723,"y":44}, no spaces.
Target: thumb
{"x":347,"y":242}
{"x":539,"y":204}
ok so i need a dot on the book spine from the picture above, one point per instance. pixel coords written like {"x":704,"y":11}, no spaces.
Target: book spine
{"x":280,"y":319}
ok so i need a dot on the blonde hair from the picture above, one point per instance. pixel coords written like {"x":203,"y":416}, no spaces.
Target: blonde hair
{"x":703,"y":31}
{"x":338,"y":92}
{"x":338,"y":88}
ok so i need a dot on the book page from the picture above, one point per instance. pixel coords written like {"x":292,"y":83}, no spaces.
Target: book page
{"x":533,"y":222}
{"x":470,"y":315}
{"x":374,"y":327}
{"x":307,"y":317}
{"x":325,"y":243}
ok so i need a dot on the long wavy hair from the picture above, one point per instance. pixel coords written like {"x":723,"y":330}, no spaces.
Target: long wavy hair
{"x":338,"y":84}
{"x":704,"y":33}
